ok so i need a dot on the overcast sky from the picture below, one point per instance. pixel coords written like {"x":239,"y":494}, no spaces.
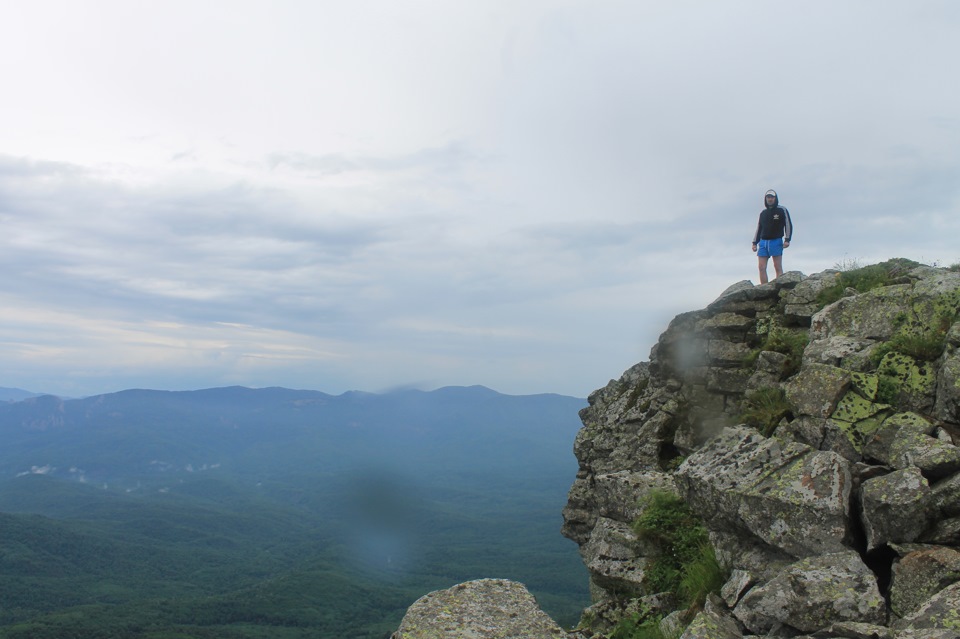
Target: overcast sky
{"x":387,"y":193}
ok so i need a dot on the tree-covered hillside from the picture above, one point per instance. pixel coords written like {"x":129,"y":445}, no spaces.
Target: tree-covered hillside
{"x":243,"y":513}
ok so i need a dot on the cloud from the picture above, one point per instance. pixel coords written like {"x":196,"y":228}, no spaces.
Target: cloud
{"x":445,"y":159}
{"x":519,"y":195}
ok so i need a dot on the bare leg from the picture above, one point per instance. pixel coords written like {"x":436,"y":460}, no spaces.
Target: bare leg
{"x":762,"y":262}
{"x":778,"y":264}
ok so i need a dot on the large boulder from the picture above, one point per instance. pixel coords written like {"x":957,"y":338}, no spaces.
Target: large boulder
{"x":800,"y":303}
{"x":616,"y":493}
{"x":945,"y":532}
{"x":610,"y":495}
{"x":844,"y":351}
{"x":482,"y":609}
{"x":912,"y":382}
{"x":725,"y":325}
{"x":710,"y":624}
{"x":627,"y":425}
{"x":745,"y":298}
{"x":580,"y":514}
{"x":856,"y":630}
{"x":920,"y":573}
{"x":788,"y":495}
{"x":611,"y":555}
{"x":946,"y":496}
{"x":822,"y":434}
{"x":813,"y":594}
{"x":872,"y":315}
{"x":749,"y":554}
{"x":904,"y":441}
{"x":895,"y":507}
{"x":940,"y":612}
{"x":859,"y":417}
{"x":947,"y":404}
{"x":817,"y":389}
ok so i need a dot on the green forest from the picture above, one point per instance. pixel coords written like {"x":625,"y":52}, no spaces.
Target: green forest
{"x":260,"y":549}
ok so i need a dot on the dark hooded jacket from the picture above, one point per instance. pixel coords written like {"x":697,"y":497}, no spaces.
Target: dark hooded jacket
{"x":774,"y":221}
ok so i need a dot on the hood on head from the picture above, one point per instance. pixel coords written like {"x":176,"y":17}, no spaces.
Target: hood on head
{"x":776,"y":198}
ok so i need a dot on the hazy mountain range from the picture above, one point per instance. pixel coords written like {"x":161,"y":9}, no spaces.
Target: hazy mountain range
{"x":15,"y":394}
{"x":340,"y":510}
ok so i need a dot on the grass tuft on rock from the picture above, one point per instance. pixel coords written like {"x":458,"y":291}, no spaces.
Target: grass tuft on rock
{"x":764,"y":408}
{"x":865,"y":279}
{"x":685,"y":563}
{"x":790,"y":342}
{"x":924,"y":343}
{"x":639,"y":627}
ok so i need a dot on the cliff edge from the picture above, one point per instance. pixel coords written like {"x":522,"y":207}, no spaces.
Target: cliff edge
{"x":786,"y":464}
{"x":809,"y":425}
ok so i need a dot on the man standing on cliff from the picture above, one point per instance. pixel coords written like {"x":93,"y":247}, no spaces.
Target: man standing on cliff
{"x":774,"y":231}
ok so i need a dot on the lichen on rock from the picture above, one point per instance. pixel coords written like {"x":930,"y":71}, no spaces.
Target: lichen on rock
{"x":862,"y":459}
{"x":842,"y":520}
{"x":482,"y":609}
{"x":813,"y":594}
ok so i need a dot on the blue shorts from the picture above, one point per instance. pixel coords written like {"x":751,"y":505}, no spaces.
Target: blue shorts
{"x":770,"y":248}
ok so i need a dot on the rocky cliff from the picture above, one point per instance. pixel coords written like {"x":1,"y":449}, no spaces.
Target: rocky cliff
{"x":786,"y":464}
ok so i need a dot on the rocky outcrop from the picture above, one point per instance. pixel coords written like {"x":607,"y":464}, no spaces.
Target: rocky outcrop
{"x":812,"y":425}
{"x":813,"y":428}
{"x":482,"y":609}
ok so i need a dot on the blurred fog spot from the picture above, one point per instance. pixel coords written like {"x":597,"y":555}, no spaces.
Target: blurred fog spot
{"x":380,"y":512}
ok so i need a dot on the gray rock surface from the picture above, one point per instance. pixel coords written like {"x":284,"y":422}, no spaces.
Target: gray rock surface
{"x":919,"y":574}
{"x":906,"y":440}
{"x":946,"y":496}
{"x":711,"y":625}
{"x":817,"y":389}
{"x":482,"y":609}
{"x":927,"y":633}
{"x":940,"y":612}
{"x":855,"y":630}
{"x":814,"y":593}
{"x":739,"y":582}
{"x":895,"y":508}
{"x":612,"y":559}
{"x":947,"y":404}
{"x":790,"y":496}
{"x":863,"y":456}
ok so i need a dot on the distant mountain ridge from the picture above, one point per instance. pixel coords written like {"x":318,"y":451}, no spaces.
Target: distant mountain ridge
{"x":15,"y":394}
{"x":145,"y":433}
{"x":236,"y":511}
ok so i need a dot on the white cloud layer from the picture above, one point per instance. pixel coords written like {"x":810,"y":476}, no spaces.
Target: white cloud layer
{"x":364,"y":195}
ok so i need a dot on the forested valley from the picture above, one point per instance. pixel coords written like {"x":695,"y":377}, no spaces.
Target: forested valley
{"x":276,"y":513}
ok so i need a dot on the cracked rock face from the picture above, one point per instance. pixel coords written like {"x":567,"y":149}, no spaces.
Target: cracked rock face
{"x":895,"y":508}
{"x":817,"y":441}
{"x":863,"y":458}
{"x":814,"y":593}
{"x":789,"y":496}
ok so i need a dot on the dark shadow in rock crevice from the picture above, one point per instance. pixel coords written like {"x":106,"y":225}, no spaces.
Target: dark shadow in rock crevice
{"x":669,"y":457}
{"x":880,"y":562}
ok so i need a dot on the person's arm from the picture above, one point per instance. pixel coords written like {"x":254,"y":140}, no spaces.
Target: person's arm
{"x":756,"y":236}
{"x":787,"y":227}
